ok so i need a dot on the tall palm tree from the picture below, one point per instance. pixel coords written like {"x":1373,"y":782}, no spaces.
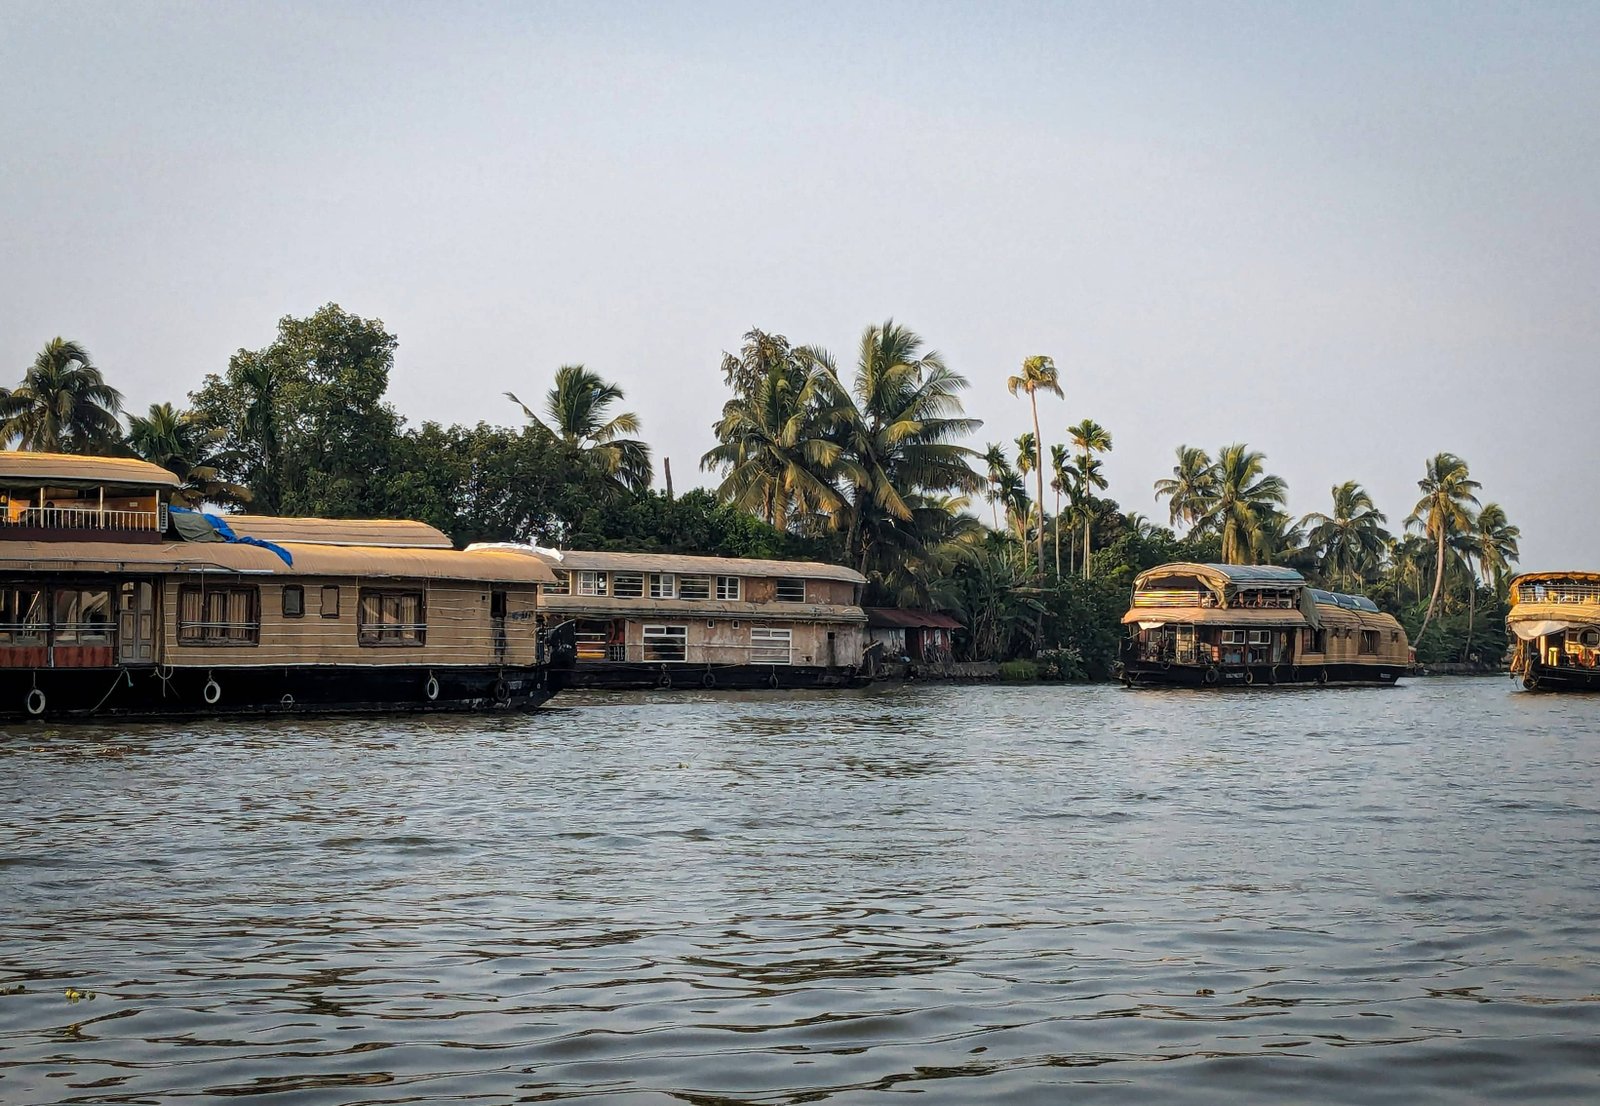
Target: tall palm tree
{"x":577,"y":408}
{"x":1498,"y":545}
{"x":62,"y":405}
{"x":1444,"y":511}
{"x":183,"y":445}
{"x":771,"y":445}
{"x":995,"y":460}
{"x":1014,"y":494}
{"x":1038,"y":375}
{"x":1245,"y":492}
{"x":1090,"y":438}
{"x":1191,"y":491}
{"x":1350,"y":542}
{"x":1060,"y":482}
{"x":1088,"y":479}
{"x":896,"y":427}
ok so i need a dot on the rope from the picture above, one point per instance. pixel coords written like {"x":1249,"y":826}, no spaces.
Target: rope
{"x":114,"y":681}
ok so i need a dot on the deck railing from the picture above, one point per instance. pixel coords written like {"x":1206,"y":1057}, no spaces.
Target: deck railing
{"x":666,"y":652}
{"x":81,"y":518}
{"x":1558,"y":593}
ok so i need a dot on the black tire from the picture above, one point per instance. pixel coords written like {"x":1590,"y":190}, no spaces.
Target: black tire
{"x":501,"y":691}
{"x":664,"y":681}
{"x":708,"y":681}
{"x":772,"y":681}
{"x":1212,"y":676}
{"x":1249,"y":677}
{"x":1322,"y":677}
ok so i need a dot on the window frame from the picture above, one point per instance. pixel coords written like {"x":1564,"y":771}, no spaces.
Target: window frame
{"x":1368,"y":638}
{"x":630,"y":581}
{"x":322,"y":599}
{"x":695,"y":587}
{"x":726,"y":594}
{"x":387,"y":635}
{"x":297,"y":590}
{"x":768,"y":637}
{"x":592,"y":582}
{"x":562,"y":584}
{"x":653,"y":635}
{"x":663,"y":585}
{"x":792,"y":582}
{"x":206,"y":632}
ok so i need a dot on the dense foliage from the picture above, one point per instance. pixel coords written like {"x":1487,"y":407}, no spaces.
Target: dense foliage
{"x":870,"y":467}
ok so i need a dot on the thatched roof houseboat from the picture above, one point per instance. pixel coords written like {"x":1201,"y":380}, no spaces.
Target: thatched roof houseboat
{"x":1554,"y":627}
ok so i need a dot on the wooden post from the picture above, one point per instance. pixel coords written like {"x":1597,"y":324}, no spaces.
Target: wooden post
{"x":102,"y":506}
{"x":666,"y":467}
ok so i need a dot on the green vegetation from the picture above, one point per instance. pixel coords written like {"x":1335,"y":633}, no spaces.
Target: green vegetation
{"x":870,"y":468}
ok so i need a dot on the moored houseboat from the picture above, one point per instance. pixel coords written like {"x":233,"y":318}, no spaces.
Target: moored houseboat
{"x":115,"y":602}
{"x":1554,"y":627}
{"x":660,"y":620}
{"x":1207,"y":625}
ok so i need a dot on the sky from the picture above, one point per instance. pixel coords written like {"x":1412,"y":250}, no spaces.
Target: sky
{"x":1349,"y":235}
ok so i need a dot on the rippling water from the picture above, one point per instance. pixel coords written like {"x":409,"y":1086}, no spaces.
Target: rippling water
{"x":988,"y":894}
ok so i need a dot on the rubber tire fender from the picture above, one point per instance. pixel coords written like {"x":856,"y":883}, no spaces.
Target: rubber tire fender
{"x":35,"y":702}
{"x":1212,"y":676}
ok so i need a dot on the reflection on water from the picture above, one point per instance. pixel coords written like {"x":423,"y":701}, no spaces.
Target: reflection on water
{"x":996,"y":894}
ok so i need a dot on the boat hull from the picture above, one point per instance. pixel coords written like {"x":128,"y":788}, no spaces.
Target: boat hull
{"x":146,"y":691}
{"x":1541,"y":677}
{"x":623,"y":676}
{"x":1156,"y":674}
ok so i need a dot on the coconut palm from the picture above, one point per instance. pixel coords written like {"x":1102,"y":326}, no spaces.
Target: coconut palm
{"x":1060,"y":482}
{"x":1444,"y":511}
{"x":1014,"y":494}
{"x":1038,"y":375}
{"x":1089,"y":478}
{"x":185,"y":446}
{"x":1245,"y":493}
{"x":896,"y":428}
{"x":1192,"y":489}
{"x":1498,"y":547}
{"x":577,"y":410}
{"x":994,"y":458}
{"x":1349,"y":543}
{"x":771,"y":447}
{"x":1090,"y":438}
{"x":62,"y":405}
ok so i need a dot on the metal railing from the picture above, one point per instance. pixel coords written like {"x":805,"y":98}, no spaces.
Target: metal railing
{"x":1558,"y":593}
{"x":82,"y":518}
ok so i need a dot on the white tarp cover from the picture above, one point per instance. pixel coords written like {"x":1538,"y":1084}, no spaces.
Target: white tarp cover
{"x":1527,"y":631}
{"x":1151,"y":625}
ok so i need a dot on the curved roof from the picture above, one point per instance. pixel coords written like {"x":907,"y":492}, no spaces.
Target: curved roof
{"x":1348,"y":602}
{"x":1219,"y":577}
{"x":20,"y":468}
{"x":681,"y":564}
{"x":220,"y":558}
{"x":1580,"y":576}
{"x":384,"y":533}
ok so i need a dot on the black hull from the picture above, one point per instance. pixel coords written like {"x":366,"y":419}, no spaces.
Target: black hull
{"x":622,"y":676}
{"x":1540,"y":677}
{"x":1154,"y":674}
{"x":27,"y":694}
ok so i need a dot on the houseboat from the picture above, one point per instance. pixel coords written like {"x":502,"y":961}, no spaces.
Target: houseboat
{"x":1554,"y":629}
{"x":114,"y":601}
{"x":656,"y":620}
{"x":1204,"y":625}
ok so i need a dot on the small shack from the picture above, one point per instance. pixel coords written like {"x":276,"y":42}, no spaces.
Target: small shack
{"x":915,"y":635}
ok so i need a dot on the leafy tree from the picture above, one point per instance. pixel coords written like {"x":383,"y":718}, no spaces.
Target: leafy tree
{"x":1090,"y":438}
{"x":1245,"y":492}
{"x":62,"y":405}
{"x":998,"y":465}
{"x":578,"y":413}
{"x":1191,"y":491}
{"x":1038,"y":375}
{"x":1445,"y":510}
{"x":307,"y":429}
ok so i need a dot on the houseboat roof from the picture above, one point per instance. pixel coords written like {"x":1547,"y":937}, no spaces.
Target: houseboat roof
{"x":1219,"y":577}
{"x":1576,"y":576}
{"x":309,"y":561}
{"x":894,"y":618}
{"x":683,"y":564}
{"x":23,"y":469}
{"x":1348,"y":602}
{"x":375,"y":533}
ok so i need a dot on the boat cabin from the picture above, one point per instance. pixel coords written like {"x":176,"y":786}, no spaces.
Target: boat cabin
{"x":1554,"y":626}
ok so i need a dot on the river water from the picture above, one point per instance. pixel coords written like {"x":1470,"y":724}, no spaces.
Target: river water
{"x":978,"y":894}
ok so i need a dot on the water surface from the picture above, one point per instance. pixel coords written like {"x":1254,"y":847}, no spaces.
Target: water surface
{"x":998,"y":894}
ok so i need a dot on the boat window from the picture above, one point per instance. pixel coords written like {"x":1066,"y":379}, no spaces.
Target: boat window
{"x":1369,"y":641}
{"x":294,"y":601}
{"x":1591,"y":638}
{"x":1259,"y":637}
{"x":330,"y":601}
{"x":694,"y":587}
{"x":218,"y":615}
{"x":665,"y":643}
{"x":391,"y":618}
{"x":791,"y":591}
{"x":561,"y":586}
{"x":1233,"y":637}
{"x":591,"y":583}
{"x":24,"y":617}
{"x":663,"y":585}
{"x":727,"y":587}
{"x":628,"y":585}
{"x":770,"y":645}
{"x":1315,"y":641}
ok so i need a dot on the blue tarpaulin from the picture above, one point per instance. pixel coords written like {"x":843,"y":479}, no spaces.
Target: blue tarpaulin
{"x":219,"y":525}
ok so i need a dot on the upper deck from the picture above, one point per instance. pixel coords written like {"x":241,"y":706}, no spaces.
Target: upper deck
{"x":65,"y":497}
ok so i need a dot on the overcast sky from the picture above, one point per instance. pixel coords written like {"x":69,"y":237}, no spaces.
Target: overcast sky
{"x":1349,"y":235}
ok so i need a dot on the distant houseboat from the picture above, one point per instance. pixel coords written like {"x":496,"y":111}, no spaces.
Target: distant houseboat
{"x":1254,"y":625}
{"x":656,"y":620}
{"x":1554,"y":627}
{"x":113,"y":601}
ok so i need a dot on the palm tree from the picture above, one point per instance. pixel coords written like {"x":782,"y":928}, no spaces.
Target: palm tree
{"x":1444,"y":511}
{"x":771,"y":445}
{"x":182,"y":444}
{"x":1191,"y":491}
{"x":1014,"y":494}
{"x":895,"y":428}
{"x":577,"y":408}
{"x":1090,"y":438}
{"x":1089,"y":479}
{"x":994,"y":457}
{"x":1245,"y":492}
{"x":62,"y":405}
{"x":1349,"y":542}
{"x":1038,"y":375}
{"x":1060,"y":482}
{"x":1498,"y":547}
